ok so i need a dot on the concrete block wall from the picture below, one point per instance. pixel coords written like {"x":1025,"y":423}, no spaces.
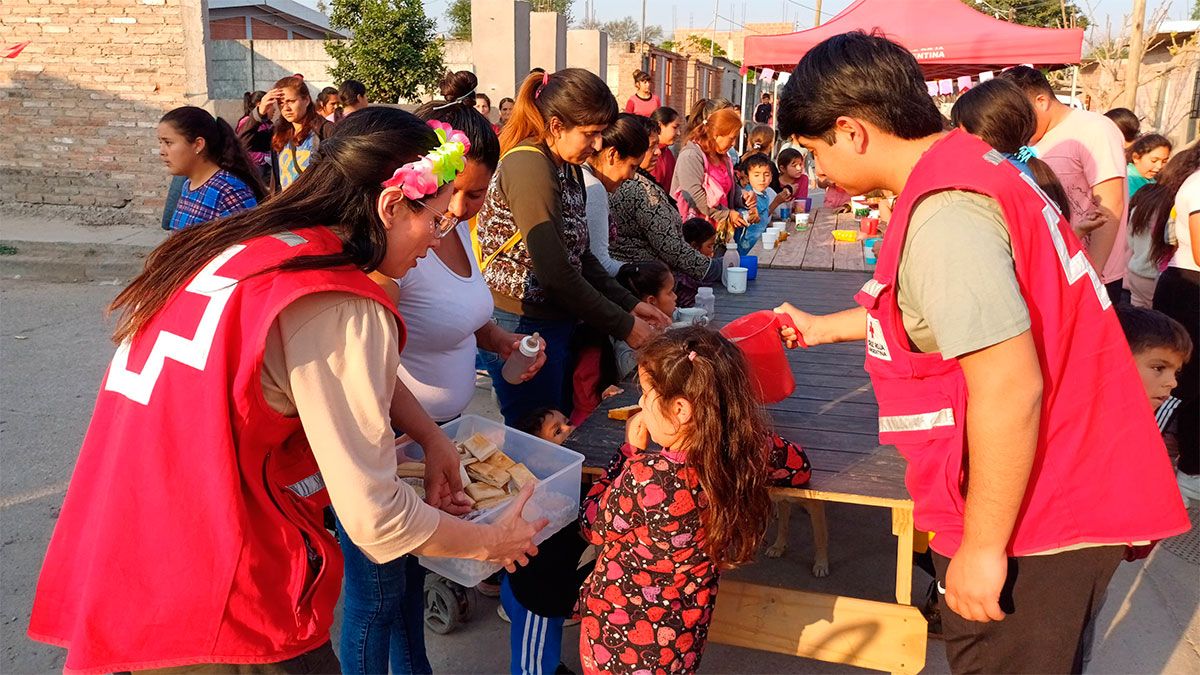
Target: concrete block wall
{"x":237,"y":66}
{"x":82,"y":102}
{"x":588,"y":49}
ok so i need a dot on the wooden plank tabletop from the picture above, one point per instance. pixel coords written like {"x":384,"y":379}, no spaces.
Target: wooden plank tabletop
{"x":832,"y":413}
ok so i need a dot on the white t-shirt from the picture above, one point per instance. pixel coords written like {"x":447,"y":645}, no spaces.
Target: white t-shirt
{"x":597,"y":220}
{"x":442,"y":311}
{"x":1187,"y":202}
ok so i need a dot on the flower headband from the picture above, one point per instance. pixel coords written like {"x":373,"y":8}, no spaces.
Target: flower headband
{"x":429,"y":173}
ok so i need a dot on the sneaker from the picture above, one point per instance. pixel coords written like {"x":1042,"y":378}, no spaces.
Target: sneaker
{"x":1189,"y":485}
{"x":502,"y":614}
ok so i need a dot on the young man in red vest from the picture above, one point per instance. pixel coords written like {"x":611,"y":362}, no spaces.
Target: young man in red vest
{"x":997,"y":362}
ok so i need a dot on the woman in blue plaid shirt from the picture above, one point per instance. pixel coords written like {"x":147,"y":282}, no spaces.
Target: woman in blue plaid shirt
{"x":220,"y":179}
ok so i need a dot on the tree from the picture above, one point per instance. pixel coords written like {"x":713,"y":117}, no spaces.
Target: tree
{"x":395,"y":51}
{"x":695,"y":44}
{"x":1196,"y":11}
{"x":459,"y":14}
{"x":627,"y":29}
{"x":1043,"y":13}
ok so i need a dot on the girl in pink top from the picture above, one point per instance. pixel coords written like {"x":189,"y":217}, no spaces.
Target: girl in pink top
{"x":643,"y":102}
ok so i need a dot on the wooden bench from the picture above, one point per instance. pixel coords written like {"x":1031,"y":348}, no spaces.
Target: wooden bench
{"x":833,"y":415}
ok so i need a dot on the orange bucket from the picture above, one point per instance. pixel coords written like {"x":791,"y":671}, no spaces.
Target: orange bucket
{"x":757,"y":335}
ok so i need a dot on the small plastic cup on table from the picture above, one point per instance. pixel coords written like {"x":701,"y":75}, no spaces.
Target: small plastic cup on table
{"x":768,"y":241}
{"x":750,"y":262}
{"x":737,"y":279}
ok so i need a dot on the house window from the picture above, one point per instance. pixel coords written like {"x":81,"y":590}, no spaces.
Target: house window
{"x":668,"y":73}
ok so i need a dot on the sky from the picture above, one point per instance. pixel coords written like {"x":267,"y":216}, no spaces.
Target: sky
{"x":699,"y":13}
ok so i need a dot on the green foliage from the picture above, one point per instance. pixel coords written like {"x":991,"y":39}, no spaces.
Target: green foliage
{"x":459,"y":14}
{"x":696,"y":44}
{"x":1044,"y":13}
{"x":1195,"y":16}
{"x":395,"y":51}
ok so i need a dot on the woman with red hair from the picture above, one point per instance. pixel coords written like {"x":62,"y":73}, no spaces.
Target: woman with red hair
{"x":704,"y":184}
{"x":299,"y":129}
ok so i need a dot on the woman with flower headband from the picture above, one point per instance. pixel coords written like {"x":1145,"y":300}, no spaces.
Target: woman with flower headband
{"x":254,"y":385}
{"x":534,"y":240}
{"x":447,"y":308}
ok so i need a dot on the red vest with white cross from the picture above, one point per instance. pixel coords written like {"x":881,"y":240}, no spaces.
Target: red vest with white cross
{"x":192,"y":531}
{"x":1101,"y":473}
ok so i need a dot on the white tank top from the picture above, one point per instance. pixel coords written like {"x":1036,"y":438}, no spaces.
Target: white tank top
{"x":442,"y":311}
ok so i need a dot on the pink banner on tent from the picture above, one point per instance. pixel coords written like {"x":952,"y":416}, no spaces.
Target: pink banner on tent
{"x":932,"y":88}
{"x":964,"y":82}
{"x":945,"y":86}
{"x":986,"y":75}
{"x":766,"y":75}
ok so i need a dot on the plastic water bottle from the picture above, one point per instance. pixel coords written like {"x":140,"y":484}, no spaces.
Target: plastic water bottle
{"x":732,"y":259}
{"x":521,"y":359}
{"x":707,"y":301}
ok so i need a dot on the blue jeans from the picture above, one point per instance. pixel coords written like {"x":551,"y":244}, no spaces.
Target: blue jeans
{"x":550,"y":388}
{"x":383,"y":614}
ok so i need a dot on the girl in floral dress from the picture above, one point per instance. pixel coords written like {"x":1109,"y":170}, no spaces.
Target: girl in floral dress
{"x":667,"y":521}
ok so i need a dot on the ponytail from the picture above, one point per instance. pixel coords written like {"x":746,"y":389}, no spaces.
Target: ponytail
{"x":575,"y":96}
{"x":1048,"y":181}
{"x":221,"y":145}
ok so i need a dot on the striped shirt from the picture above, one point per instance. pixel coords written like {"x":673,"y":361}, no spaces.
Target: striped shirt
{"x":218,"y":197}
{"x":1165,"y":412}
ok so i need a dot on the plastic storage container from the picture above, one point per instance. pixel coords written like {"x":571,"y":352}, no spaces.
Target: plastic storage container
{"x":556,"y":497}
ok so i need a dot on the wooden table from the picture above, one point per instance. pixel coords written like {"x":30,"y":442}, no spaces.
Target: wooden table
{"x":815,"y":248}
{"x":833,"y":415}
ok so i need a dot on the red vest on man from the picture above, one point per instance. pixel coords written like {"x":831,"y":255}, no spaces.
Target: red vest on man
{"x":192,"y":531}
{"x":1101,"y":474}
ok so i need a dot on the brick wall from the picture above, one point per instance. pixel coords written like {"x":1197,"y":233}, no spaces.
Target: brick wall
{"x":81,"y":103}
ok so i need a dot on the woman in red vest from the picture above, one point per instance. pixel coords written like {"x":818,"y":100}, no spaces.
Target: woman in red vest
{"x":254,"y":384}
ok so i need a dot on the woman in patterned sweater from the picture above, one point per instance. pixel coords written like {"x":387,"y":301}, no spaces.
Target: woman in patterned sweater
{"x":667,"y":521}
{"x":648,"y":227}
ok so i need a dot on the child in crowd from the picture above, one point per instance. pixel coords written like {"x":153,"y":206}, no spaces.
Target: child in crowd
{"x":792,"y":173}
{"x":653,"y":283}
{"x":758,"y":170}
{"x":547,"y":424}
{"x":1147,"y":156}
{"x":667,"y":521}
{"x":1127,"y":121}
{"x":1160,"y":346}
{"x":702,"y":236}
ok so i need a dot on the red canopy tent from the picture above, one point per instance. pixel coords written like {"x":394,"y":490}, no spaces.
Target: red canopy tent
{"x":948,"y":38}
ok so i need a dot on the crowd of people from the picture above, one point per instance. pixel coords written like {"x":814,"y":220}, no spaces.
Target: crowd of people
{"x":343,"y":271}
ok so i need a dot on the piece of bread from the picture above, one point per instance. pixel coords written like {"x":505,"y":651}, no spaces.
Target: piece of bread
{"x":624,"y":413}
{"x":491,"y":501}
{"x":521,"y":475}
{"x":500,"y":460}
{"x":482,"y":491}
{"x":481,"y":448}
{"x":411,"y":470}
{"x":486,"y":473}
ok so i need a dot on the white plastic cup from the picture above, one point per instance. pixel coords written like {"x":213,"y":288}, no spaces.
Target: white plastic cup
{"x":768,"y":241}
{"x":693,"y":316}
{"x":737,"y":279}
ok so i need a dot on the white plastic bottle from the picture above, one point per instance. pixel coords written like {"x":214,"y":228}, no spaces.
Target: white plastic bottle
{"x":707,"y":301}
{"x":521,"y":359}
{"x":731,"y":259}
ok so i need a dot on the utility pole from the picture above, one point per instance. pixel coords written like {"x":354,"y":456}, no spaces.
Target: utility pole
{"x":1137,"y":22}
{"x":643,"y":21}
{"x":817,"y":21}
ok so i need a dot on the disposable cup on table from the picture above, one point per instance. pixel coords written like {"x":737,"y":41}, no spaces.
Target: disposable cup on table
{"x":736,"y":282}
{"x":768,"y":241}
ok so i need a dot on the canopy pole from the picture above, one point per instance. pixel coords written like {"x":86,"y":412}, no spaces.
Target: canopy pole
{"x":1074,"y":83}
{"x":742,"y":136}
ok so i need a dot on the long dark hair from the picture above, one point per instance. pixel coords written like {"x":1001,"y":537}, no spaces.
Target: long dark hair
{"x":250,"y":101}
{"x":727,"y":439}
{"x":628,"y":135}
{"x":340,"y":189}
{"x":485,"y":147}
{"x":998,"y":112}
{"x":1146,"y":144}
{"x":575,"y":96}
{"x":459,"y":86}
{"x":1150,"y":208}
{"x":285,"y":132}
{"x":221,"y":144}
